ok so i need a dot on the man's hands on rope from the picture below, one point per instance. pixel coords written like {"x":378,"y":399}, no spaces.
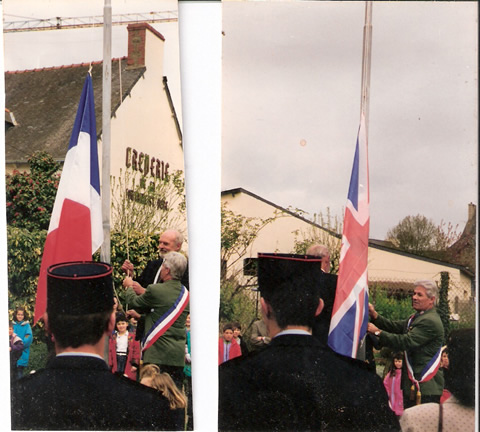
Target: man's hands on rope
{"x":127,"y":267}
{"x":128,"y":282}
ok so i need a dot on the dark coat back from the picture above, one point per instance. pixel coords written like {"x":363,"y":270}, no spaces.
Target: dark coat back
{"x":328,"y":286}
{"x":297,"y":384}
{"x":80,"y":393}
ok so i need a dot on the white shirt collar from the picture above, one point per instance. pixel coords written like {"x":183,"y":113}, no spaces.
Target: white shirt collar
{"x":80,"y":354}
{"x":293,"y":331}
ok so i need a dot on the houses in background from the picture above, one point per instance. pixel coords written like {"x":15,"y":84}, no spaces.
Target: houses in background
{"x":146,"y":137}
{"x":387,"y":266}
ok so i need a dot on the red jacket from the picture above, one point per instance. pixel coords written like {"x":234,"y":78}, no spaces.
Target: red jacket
{"x":133,"y":354}
{"x":235,"y":350}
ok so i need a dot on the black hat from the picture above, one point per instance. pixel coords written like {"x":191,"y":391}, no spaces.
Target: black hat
{"x":81,"y":287}
{"x":287,"y":271}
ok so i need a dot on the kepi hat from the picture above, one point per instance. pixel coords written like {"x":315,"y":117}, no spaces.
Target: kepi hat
{"x":78,"y":288}
{"x":291,"y":272}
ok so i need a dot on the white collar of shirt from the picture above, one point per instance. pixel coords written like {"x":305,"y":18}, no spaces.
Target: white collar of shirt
{"x":80,"y":354}
{"x":293,"y":331}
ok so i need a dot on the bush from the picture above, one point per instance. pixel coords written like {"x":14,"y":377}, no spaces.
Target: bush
{"x":390,"y":307}
{"x":25,"y":248}
{"x":30,"y":195}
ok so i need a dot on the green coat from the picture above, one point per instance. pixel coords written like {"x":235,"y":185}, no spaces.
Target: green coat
{"x":169,"y":349}
{"x":422,"y":341}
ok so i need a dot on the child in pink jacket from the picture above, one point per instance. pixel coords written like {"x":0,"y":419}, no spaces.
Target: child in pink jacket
{"x":393,"y":384}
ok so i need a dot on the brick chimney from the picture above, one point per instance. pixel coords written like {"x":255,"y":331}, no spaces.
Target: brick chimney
{"x":471,"y":211}
{"x":137,"y":36}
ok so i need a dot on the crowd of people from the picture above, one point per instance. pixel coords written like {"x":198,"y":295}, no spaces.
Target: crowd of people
{"x":298,"y":383}
{"x":145,"y":382}
{"x":284,"y":377}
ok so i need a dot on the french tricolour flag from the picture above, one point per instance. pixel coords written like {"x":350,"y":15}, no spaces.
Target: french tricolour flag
{"x":350,"y":309}
{"x":75,"y":230}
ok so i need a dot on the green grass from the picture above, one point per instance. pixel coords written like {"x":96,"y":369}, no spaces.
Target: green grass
{"x":38,"y":357}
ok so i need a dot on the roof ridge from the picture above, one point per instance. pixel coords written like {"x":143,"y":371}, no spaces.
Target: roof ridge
{"x":47,"y":68}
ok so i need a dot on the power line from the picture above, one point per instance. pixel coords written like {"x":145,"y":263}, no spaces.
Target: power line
{"x":59,"y":23}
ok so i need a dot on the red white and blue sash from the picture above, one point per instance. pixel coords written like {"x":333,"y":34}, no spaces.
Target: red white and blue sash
{"x":428,"y":372}
{"x":166,"y":320}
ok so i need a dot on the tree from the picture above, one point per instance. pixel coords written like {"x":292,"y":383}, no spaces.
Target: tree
{"x":238,"y":232}
{"x":30,"y":195}
{"x":150,"y":207}
{"x":443,"y":306}
{"x":419,"y":235}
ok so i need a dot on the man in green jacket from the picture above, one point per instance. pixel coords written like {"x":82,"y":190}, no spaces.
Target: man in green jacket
{"x":421,"y":338}
{"x":166,"y":306}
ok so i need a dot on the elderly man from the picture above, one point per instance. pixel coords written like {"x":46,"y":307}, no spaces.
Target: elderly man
{"x":165,"y":306}
{"x":77,"y":391}
{"x":295,"y":383}
{"x":421,"y":337}
{"x":170,"y":241}
{"x":328,"y":285}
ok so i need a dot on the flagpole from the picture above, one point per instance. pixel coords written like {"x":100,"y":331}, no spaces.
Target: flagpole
{"x":366,"y":64}
{"x":365,"y":105}
{"x":106,"y":114}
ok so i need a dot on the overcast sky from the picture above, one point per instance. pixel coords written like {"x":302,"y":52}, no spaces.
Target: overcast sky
{"x":292,"y":76}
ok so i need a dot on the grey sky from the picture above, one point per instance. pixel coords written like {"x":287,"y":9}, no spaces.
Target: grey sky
{"x":292,"y":72}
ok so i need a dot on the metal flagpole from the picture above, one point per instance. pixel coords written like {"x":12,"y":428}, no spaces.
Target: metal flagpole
{"x":106,"y":113}
{"x":366,"y":63}
{"x":365,"y":105}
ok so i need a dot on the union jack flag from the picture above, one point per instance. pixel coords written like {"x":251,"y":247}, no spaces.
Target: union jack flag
{"x":350,"y":309}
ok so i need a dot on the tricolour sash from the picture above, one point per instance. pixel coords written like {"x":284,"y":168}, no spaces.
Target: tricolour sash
{"x":428,"y":372}
{"x":166,"y":320}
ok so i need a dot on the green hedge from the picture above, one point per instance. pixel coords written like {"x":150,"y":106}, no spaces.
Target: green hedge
{"x":391,"y":307}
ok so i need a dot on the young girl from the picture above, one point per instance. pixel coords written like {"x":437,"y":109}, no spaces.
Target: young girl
{"x":22,"y":329}
{"x":165,"y":385}
{"x":147,"y":373}
{"x":16,"y":348}
{"x":124,"y":350}
{"x":393,"y":384}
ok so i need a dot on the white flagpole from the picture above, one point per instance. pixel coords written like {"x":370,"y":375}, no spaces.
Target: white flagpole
{"x":365,"y":105}
{"x":106,"y":114}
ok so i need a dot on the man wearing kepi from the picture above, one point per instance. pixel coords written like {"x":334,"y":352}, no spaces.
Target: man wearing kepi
{"x":77,"y":391}
{"x":166,"y":307}
{"x":421,"y":337}
{"x":296,"y":383}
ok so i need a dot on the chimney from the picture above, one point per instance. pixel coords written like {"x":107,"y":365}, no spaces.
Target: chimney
{"x":471,"y":211}
{"x":137,"y":36}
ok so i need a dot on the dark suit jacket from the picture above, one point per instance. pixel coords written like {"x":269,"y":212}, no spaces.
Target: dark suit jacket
{"x":80,"y":393}
{"x":328,"y":286}
{"x":296,"y":384}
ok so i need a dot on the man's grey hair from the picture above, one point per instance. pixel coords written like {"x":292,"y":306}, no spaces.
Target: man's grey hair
{"x":318,"y":250}
{"x":430,"y":286}
{"x":178,"y":236}
{"x":176,"y":262}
